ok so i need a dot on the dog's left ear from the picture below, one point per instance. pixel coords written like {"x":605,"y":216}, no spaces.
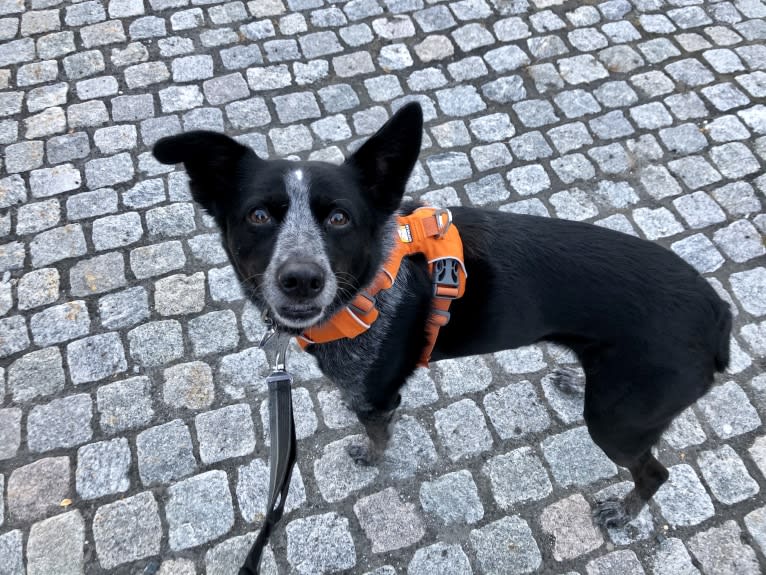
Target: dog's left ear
{"x":210,"y":159}
{"x":385,"y":161}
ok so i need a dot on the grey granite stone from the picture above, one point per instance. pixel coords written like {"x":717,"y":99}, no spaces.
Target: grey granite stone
{"x":726,"y":475}
{"x":16,"y":337}
{"x":672,"y":558}
{"x":225,"y":433}
{"x":410,"y":449}
{"x":214,"y":332}
{"x":516,"y":410}
{"x":462,"y":429}
{"x":10,"y":432}
{"x":516,"y":477}
{"x":102,"y":468}
{"x":180,"y":294}
{"x":165,"y":453}
{"x":320,"y":542}
{"x":188,"y":385}
{"x":728,"y":411}
{"x":574,"y":458}
{"x":34,"y":491}
{"x":624,"y":561}
{"x":11,"y":552}
{"x":96,"y":357}
{"x":155,"y":343}
{"x":438,"y":558}
{"x":157,"y":259}
{"x":64,"y":422}
{"x":36,"y":374}
{"x":124,"y":309}
{"x":755,"y":521}
{"x":721,"y":550}
{"x":337,"y":475}
{"x":493,"y":553}
{"x":453,"y":498}
{"x":56,"y":545}
{"x":682,"y":499}
{"x":388,"y":522}
{"x":127,"y":530}
{"x":203,"y":501}
{"x":460,"y":376}
{"x":569,"y":524}
{"x":125,"y":405}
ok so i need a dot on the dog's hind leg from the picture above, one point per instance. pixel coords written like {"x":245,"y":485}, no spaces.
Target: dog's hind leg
{"x":627,"y":408}
{"x":648,"y":476}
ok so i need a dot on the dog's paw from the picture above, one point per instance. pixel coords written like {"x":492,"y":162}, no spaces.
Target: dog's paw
{"x":611,"y":513}
{"x":569,"y":381}
{"x":361,"y":454}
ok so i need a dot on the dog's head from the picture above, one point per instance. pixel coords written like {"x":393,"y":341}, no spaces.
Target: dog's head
{"x":303,"y":237}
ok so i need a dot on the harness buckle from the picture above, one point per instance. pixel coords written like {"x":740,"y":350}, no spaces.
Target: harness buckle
{"x":446,"y":277}
{"x":440,"y":226}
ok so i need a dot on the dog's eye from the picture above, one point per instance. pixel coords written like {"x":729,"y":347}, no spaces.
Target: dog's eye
{"x":338,"y":218}
{"x":259,"y":216}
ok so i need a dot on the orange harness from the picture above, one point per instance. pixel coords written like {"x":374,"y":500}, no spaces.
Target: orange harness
{"x":427,"y":231}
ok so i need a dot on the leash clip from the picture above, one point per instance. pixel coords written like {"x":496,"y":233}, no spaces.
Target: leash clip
{"x":275,"y":344}
{"x":442,"y":227}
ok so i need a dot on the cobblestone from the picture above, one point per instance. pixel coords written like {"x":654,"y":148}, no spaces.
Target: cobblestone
{"x":453,"y":498}
{"x":736,"y":556}
{"x":125,"y":405}
{"x":155,"y":343}
{"x":494,"y":557}
{"x":127,"y":530}
{"x":36,"y":374}
{"x":35,"y":490}
{"x":683,"y":500}
{"x":330,"y":544}
{"x":56,"y":545}
{"x":95,"y":358}
{"x":574,"y":458}
{"x":102,"y":468}
{"x":165,"y":453}
{"x":388,"y":522}
{"x":462,"y":429}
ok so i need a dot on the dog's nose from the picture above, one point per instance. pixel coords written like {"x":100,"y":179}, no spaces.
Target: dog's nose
{"x":301,"y":279}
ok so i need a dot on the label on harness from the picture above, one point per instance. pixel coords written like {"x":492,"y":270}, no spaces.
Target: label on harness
{"x":405,"y":234}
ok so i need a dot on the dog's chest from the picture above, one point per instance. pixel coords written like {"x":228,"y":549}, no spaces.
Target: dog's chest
{"x":348,"y":363}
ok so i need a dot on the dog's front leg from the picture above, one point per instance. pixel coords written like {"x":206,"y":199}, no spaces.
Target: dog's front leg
{"x":377,"y":423}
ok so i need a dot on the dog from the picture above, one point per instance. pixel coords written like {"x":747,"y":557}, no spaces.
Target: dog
{"x":306,"y":237}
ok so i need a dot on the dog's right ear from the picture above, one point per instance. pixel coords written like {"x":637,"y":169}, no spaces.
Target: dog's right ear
{"x":210,"y":159}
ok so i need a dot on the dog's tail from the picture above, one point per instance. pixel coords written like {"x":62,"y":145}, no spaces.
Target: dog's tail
{"x":724,"y":336}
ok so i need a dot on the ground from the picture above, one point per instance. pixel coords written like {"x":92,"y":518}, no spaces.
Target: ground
{"x":132,"y":401}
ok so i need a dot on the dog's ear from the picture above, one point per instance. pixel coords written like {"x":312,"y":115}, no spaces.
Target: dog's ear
{"x":210,"y":159}
{"x":385,"y":161}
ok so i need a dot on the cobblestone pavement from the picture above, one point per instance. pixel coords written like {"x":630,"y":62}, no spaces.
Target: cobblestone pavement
{"x":132,"y":401}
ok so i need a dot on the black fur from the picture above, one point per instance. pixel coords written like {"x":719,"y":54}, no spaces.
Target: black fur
{"x":648,"y":330}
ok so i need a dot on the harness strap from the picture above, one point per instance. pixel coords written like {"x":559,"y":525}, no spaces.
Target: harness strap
{"x":281,"y":462}
{"x":427,"y":231}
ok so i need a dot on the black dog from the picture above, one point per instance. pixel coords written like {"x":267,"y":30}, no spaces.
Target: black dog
{"x":306,"y":237}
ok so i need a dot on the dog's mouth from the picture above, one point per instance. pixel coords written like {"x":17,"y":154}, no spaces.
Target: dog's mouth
{"x":298,"y":316}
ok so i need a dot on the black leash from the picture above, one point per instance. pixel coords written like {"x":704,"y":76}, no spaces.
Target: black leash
{"x":282,"y":450}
